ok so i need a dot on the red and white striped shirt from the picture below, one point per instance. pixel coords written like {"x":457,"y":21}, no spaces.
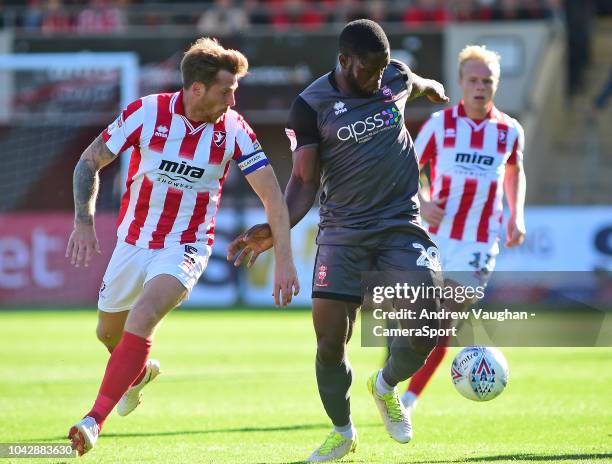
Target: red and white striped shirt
{"x":467,"y":164}
{"x":177,"y":169}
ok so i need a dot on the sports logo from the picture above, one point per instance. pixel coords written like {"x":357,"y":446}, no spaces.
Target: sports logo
{"x":189,"y":257}
{"x":219,"y":138}
{"x":321,"y":275}
{"x":482,"y":377}
{"x":102,"y":288}
{"x":502,"y":136}
{"x":429,"y":258}
{"x":161,"y":131}
{"x":339,"y":108}
{"x":455,"y":374}
{"x":387,"y":92}
{"x":176,"y":174}
{"x":363,"y":130}
{"x":472,"y":161}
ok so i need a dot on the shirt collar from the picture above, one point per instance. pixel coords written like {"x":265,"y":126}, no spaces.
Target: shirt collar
{"x":177,"y":107}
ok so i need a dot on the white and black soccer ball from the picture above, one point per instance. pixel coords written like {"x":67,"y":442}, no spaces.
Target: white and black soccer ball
{"x":480,"y":373}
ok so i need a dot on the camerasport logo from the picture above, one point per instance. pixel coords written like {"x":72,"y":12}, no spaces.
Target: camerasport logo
{"x":364,"y":129}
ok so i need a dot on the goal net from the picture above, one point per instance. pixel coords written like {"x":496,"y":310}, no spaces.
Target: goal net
{"x":50,"y":105}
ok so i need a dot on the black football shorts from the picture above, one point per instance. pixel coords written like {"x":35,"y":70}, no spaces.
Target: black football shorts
{"x":338,"y":269}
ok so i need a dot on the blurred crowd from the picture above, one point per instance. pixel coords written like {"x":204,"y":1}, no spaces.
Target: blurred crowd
{"x":227,"y":16}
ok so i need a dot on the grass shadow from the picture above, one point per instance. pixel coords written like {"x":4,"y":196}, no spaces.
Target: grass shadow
{"x":523,"y":457}
{"x":280,"y":428}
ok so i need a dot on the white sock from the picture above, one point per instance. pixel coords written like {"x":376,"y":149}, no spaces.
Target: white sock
{"x":382,"y":386}
{"x":347,"y":431}
{"x":409,"y":399}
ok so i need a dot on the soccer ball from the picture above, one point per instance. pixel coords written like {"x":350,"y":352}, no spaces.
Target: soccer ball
{"x":479,"y":373}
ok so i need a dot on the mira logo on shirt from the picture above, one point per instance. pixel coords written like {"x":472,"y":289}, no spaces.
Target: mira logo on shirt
{"x":181,"y":170}
{"x":475,"y":159}
{"x":364,"y":129}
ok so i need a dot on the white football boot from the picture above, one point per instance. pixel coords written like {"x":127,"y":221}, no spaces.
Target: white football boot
{"x":133,"y":397}
{"x":83,"y":435}
{"x":394,"y":415}
{"x":334,"y":447}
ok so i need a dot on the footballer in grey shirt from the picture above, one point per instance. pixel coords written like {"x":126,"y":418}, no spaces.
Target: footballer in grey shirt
{"x":348,"y":137}
{"x":369,"y":171}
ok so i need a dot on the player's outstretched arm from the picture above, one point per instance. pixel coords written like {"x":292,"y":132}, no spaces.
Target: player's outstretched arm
{"x":83,"y":240}
{"x":299,"y":196}
{"x":265,"y":185}
{"x":429,"y":88}
{"x":515,"y":186}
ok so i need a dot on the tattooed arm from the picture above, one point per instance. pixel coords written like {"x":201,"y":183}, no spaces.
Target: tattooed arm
{"x":85,"y":181}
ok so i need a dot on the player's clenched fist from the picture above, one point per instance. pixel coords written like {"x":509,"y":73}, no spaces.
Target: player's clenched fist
{"x":81,"y":244}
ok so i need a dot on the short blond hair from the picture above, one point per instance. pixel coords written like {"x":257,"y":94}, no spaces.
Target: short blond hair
{"x":480,"y":53}
{"x":206,"y":57}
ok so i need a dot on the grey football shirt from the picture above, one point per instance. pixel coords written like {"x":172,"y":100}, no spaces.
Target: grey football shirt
{"x":369,"y":170}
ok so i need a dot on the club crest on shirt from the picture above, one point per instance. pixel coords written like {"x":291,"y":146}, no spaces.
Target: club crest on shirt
{"x":219,"y":138}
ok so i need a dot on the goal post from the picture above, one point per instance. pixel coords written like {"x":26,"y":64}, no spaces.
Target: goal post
{"x":74,"y":66}
{"x":49,"y":102}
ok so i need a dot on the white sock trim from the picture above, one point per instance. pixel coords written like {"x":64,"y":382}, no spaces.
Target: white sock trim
{"x":347,"y":431}
{"x":382,"y":386}
{"x":409,"y":397}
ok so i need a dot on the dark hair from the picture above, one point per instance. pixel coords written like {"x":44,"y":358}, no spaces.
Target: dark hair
{"x":206,"y":57}
{"x":363,"y":36}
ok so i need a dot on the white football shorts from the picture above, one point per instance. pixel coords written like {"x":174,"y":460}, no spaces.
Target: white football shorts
{"x":467,"y":263}
{"x":131,"y":267}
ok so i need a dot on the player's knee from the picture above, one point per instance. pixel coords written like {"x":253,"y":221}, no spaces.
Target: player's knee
{"x":107,"y":337}
{"x":145,"y":315}
{"x":330,"y":352}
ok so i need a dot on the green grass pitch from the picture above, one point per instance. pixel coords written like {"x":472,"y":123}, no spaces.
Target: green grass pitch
{"x":239,"y":387}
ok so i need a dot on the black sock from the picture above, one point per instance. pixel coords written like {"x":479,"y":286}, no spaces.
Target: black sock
{"x":334,"y":382}
{"x":402,"y":363}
